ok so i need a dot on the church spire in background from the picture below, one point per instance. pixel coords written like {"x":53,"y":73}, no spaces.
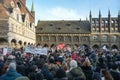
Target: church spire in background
{"x":109,"y":14}
{"x":32,"y":8}
{"x":100,"y":14}
{"x":119,"y":13}
{"x":90,"y":14}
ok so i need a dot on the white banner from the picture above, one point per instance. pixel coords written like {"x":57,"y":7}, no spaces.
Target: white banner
{"x":5,"y":51}
{"x":28,"y":50}
{"x":42,"y":51}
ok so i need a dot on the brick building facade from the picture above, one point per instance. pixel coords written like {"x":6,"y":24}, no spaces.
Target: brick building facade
{"x":94,"y":32}
{"x":16,"y":23}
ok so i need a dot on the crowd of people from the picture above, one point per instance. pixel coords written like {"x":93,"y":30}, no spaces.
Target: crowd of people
{"x":66,"y":63}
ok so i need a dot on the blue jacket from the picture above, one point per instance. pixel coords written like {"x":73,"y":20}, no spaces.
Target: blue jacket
{"x":1,"y":66}
{"x":11,"y":74}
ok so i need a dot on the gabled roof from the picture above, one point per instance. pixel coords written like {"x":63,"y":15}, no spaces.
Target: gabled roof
{"x":3,"y":12}
{"x":66,"y":27}
{"x":8,"y":8}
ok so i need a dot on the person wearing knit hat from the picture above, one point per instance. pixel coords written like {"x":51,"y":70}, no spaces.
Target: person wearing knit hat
{"x":12,"y":66}
{"x":11,"y":73}
{"x":75,"y":72}
{"x":73,"y":64}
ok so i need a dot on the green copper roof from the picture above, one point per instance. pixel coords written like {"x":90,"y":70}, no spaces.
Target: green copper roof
{"x":32,"y":8}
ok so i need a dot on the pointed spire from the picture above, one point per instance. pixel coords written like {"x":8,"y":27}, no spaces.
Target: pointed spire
{"x":119,"y":13}
{"x":90,"y":14}
{"x":32,"y":8}
{"x":109,"y":14}
{"x":99,"y":13}
{"x":86,"y":18}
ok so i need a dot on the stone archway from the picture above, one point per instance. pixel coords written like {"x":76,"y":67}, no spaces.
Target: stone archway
{"x":13,"y":43}
{"x":114,"y":47}
{"x":20,"y":42}
{"x":3,"y":42}
{"x":52,"y":45}
{"x":19,"y":45}
{"x":45,"y":45}
{"x":95,"y":46}
{"x":25,"y":43}
{"x":106,"y":46}
{"x":85,"y":45}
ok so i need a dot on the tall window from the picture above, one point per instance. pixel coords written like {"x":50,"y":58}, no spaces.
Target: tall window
{"x":68,"y":39}
{"x":17,"y":17}
{"x":60,"y":38}
{"x":76,"y":38}
{"x":114,"y":38}
{"x":45,"y":38}
{"x":95,"y":38}
{"x":53,"y":38}
{"x":39,"y":38}
{"x":104,"y":38}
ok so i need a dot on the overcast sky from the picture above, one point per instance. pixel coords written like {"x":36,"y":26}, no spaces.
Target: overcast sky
{"x":72,"y":9}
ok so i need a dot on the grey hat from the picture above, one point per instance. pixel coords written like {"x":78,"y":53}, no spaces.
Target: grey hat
{"x":22,"y":78}
{"x":12,"y":66}
{"x":73,"y":64}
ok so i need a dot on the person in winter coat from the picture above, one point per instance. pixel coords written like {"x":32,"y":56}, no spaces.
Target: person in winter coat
{"x":107,"y":75}
{"x":115,"y":72}
{"x":11,"y":73}
{"x":1,"y":64}
{"x":61,"y":75}
{"x":75,"y":72}
{"x":87,"y":69}
{"x":46,"y":73}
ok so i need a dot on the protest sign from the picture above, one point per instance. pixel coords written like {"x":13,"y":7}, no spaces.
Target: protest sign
{"x":41,"y":51}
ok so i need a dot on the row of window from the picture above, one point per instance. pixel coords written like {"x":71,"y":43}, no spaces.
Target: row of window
{"x":105,"y":38}
{"x":105,"y":29}
{"x":104,"y":21}
{"x":78,"y":28}
{"x":105,"y":25}
{"x":75,"y":38}
{"x":28,"y":24}
{"x":62,"y":39}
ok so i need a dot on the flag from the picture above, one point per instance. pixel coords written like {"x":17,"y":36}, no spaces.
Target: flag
{"x":60,"y":46}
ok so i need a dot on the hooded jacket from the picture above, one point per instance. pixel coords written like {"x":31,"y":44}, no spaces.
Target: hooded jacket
{"x":76,"y":74}
{"x":11,"y":74}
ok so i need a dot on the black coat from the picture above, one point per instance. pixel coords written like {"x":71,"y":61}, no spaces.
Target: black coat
{"x":1,"y":66}
{"x":88,"y":72}
{"x":115,"y":74}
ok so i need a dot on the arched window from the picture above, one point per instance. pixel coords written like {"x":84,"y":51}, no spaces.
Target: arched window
{"x":53,"y":38}
{"x":45,"y":38}
{"x":39,"y":38}
{"x":68,"y":38}
{"x":76,"y":38}
{"x":60,"y":38}
{"x":95,"y":38}
{"x":104,"y":38}
{"x":114,"y":38}
{"x":18,"y":5}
